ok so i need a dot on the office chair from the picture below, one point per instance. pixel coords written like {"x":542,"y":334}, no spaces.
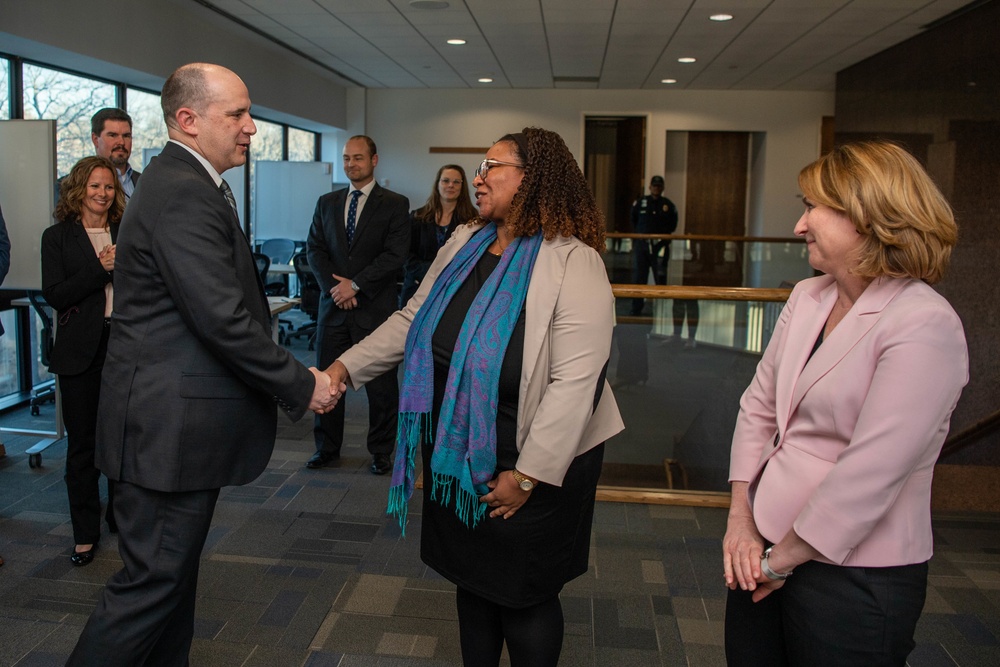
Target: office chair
{"x":309,"y":293}
{"x":46,"y":391}
{"x":279,"y":251}
{"x":263,"y":264}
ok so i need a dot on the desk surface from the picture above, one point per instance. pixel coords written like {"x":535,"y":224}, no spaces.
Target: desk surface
{"x":280,"y":268}
{"x":280,"y":304}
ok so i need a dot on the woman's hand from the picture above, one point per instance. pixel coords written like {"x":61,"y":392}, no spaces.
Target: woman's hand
{"x":766,"y":587}
{"x":107,"y":258}
{"x":743,"y":544}
{"x":506,"y":496}
{"x":741,"y":551}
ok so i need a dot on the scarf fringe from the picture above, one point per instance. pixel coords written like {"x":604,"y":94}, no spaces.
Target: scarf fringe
{"x":410,"y":428}
{"x":468,"y":508}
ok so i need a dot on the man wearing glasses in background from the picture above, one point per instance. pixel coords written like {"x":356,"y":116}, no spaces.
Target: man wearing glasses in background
{"x":358,"y":241}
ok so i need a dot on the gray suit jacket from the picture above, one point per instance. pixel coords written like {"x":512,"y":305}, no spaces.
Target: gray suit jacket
{"x":192,"y":376}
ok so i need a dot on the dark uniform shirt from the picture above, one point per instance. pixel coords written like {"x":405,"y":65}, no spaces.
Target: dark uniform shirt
{"x":654,"y":215}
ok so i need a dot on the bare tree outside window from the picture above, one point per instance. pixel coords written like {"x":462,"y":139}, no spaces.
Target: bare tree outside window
{"x":301,"y":145}
{"x":69,"y":100}
{"x":4,"y":89}
{"x":267,"y":144}
{"x":148,"y":128}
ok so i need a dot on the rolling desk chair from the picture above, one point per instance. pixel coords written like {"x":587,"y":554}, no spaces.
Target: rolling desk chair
{"x":309,"y":293}
{"x":279,"y":251}
{"x":263,"y":264}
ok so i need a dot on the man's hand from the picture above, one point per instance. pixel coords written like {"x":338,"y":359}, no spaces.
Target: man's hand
{"x":343,"y":294}
{"x":325,"y":393}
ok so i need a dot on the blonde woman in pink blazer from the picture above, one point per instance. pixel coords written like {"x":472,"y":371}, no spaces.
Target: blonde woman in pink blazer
{"x":829,"y":530}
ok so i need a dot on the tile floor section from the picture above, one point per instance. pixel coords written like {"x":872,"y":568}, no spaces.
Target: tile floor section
{"x":302,"y":569}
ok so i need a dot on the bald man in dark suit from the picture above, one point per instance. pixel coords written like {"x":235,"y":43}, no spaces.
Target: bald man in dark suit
{"x":192,"y":376}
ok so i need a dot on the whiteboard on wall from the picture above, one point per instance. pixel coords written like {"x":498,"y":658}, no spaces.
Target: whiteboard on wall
{"x":27,"y":190}
{"x":285,"y":195}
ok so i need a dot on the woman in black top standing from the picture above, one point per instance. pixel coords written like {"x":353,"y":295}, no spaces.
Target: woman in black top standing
{"x":78,"y":261}
{"x":432,"y":224}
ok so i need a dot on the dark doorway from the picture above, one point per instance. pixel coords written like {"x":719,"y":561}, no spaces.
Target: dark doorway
{"x":614,"y":155}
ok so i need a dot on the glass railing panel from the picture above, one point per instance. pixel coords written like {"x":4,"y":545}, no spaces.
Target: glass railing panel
{"x":713,"y":260}
{"x":679,"y":394}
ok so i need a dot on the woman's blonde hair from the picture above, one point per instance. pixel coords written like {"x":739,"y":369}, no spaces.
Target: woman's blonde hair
{"x":73,"y":189}
{"x":554,"y":195}
{"x":908,"y":227}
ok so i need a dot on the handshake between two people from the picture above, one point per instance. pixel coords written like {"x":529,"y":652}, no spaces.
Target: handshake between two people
{"x":330,"y":387}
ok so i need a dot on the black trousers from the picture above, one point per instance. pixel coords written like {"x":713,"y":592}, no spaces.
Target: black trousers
{"x":689,"y":308}
{"x":829,"y":616}
{"x":383,"y":396}
{"x":648,"y":255}
{"x":80,"y":396}
{"x":145,"y":614}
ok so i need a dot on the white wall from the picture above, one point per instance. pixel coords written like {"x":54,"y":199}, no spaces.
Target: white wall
{"x":406,"y":123}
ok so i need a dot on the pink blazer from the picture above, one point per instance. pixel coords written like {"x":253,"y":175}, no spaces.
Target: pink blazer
{"x":841,"y":447}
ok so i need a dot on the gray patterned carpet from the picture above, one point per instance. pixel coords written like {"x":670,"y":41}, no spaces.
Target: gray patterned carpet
{"x":301,"y":568}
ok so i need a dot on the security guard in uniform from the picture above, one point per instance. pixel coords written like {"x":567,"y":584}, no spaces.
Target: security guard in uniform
{"x":652,"y":214}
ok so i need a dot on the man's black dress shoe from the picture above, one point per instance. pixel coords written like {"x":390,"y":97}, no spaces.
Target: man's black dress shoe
{"x":81,"y":558}
{"x":321,"y":460}
{"x":381,"y":464}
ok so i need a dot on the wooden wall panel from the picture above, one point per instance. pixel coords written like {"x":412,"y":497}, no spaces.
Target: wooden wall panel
{"x":716,"y":201}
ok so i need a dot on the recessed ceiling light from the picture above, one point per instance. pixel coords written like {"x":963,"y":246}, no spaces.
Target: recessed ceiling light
{"x":485,"y":79}
{"x":456,"y":42}
{"x":721,"y":17}
{"x":668,"y":80}
{"x":428,"y":4}
{"x":687,"y":59}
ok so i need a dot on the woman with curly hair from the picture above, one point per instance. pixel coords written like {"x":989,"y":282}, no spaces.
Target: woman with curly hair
{"x":433,"y":223}
{"x":505,"y":345}
{"x":78,"y":262}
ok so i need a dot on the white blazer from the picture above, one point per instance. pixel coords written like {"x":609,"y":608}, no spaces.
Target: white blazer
{"x":842,"y":446}
{"x":569,"y":318}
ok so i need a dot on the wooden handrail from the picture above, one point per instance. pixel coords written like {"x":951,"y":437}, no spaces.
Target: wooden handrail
{"x":708,"y":237}
{"x":699,"y":292}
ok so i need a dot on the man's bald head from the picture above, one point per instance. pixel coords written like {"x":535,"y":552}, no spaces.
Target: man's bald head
{"x":190,"y":86}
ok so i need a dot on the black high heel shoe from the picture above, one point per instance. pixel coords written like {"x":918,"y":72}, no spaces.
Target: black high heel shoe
{"x":81,"y":558}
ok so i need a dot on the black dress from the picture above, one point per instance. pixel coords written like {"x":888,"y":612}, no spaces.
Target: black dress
{"x":524,"y":560}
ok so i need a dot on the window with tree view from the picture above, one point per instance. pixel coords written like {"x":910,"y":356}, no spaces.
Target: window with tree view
{"x":70,"y":100}
{"x":148,"y":129}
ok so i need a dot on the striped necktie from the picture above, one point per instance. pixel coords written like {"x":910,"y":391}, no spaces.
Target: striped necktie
{"x":226,"y":190}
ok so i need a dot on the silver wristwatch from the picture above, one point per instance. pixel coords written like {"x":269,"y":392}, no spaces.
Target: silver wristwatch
{"x":522,"y":481}
{"x":766,"y":568}
{"x":354,"y":286}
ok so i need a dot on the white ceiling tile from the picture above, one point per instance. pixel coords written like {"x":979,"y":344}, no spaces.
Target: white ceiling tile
{"x":770,"y":44}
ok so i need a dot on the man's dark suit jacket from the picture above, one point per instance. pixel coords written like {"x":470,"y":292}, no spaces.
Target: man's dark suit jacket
{"x":192,"y":375}
{"x":73,"y":283}
{"x":381,"y":242}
